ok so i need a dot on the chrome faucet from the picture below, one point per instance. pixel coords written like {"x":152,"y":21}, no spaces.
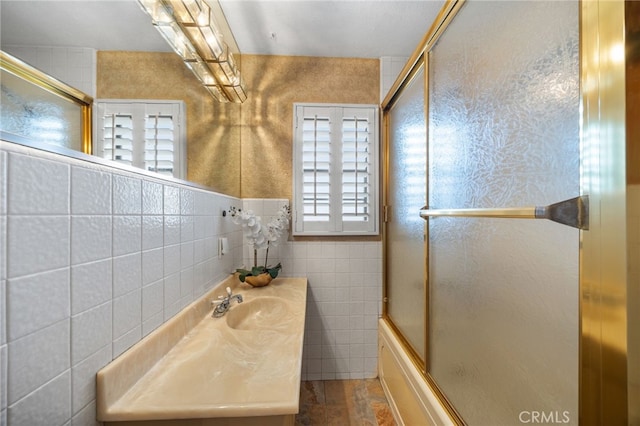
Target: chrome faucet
{"x":223,"y":305}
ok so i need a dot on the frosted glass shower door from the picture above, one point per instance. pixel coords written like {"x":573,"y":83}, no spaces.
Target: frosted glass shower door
{"x":504,"y":133}
{"x":406,"y":192}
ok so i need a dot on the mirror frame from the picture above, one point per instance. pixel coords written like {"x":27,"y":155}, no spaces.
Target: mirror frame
{"x":51,"y":85}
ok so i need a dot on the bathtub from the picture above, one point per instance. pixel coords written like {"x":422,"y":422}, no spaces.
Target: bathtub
{"x":412,"y":401}
{"x":240,"y":369}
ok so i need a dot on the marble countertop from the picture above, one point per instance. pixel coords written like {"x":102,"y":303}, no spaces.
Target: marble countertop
{"x":246,"y":363}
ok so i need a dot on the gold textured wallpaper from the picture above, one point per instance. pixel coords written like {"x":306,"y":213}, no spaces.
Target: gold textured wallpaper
{"x":274,"y":83}
{"x":241,"y":150}
{"x":213,"y":135}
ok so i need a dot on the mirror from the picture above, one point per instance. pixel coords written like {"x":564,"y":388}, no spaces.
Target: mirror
{"x":300,"y":60}
{"x":131,"y":61}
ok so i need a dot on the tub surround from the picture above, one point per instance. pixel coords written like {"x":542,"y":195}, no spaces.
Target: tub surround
{"x":245,"y":364}
{"x":411,"y":399}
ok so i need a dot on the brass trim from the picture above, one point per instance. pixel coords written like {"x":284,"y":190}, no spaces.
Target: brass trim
{"x":34,"y":76}
{"x":431,"y":383}
{"x":603,"y":257}
{"x":510,"y":212}
{"x":418,"y":59}
{"x":414,"y":356}
{"x":408,"y":78}
{"x":417,"y":358}
{"x":384,"y":178}
{"x":411,"y":74}
{"x":25,"y":71}
{"x":603,"y":300}
{"x":446,"y":14}
{"x":87,"y":129}
{"x":447,"y":405}
{"x":384,"y":199}
{"x":425,"y":272}
{"x":573,"y":212}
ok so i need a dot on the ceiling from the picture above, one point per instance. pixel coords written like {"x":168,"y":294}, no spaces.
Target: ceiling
{"x":103,"y":25}
{"x":365,"y":28}
{"x":345,"y":28}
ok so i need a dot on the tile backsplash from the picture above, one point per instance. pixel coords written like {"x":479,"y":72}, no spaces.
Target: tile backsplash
{"x":343,"y":301}
{"x":94,"y":258}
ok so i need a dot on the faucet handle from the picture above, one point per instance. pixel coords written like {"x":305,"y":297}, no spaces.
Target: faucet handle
{"x":229,"y":291}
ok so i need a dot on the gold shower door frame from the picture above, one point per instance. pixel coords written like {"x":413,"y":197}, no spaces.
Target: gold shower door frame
{"x":48,"y":84}
{"x":603,"y":259}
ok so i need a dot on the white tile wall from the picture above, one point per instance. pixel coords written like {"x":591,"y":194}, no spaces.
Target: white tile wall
{"x":3,"y":383}
{"x":343,"y":300}
{"x":91,"y":285}
{"x":48,"y":405}
{"x":91,"y":238}
{"x":86,"y":416}
{"x":3,"y":286}
{"x":36,"y":244}
{"x":28,"y":311}
{"x":127,"y":235}
{"x":390,"y":67}
{"x":122,"y":254}
{"x":92,"y":259}
{"x":76,"y":66}
{"x":29,"y":193}
{"x":37,"y":358}
{"x":90,"y":191}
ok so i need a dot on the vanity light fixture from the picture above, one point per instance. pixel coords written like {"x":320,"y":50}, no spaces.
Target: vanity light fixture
{"x":190,"y":29}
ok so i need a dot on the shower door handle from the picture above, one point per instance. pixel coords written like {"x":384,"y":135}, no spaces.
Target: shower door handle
{"x":573,"y":212}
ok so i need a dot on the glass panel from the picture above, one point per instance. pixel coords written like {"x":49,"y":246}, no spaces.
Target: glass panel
{"x":405,"y":230}
{"x":504,"y":132}
{"x":28,"y":111}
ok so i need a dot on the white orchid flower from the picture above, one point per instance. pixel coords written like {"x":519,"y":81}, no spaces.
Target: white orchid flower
{"x":262,"y":236}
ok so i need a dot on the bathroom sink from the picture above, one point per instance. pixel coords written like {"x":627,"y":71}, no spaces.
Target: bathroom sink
{"x":260,"y":313}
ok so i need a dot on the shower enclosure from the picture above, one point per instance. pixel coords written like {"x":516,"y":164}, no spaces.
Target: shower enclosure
{"x":483,"y":134}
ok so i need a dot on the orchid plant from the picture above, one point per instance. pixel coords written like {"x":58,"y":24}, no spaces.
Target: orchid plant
{"x":261,"y":236}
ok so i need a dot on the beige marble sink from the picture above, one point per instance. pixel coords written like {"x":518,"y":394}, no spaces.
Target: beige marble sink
{"x":243,"y":365}
{"x":263,"y":313}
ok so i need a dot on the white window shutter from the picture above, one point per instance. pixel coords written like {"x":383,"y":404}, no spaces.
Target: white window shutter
{"x":358,"y":150}
{"x":118,"y":137}
{"x":147,"y":134}
{"x":313,"y":171}
{"x":335,"y":170}
{"x":316,"y":163}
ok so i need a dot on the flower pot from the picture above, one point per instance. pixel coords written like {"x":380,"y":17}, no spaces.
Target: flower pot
{"x":259,"y":280}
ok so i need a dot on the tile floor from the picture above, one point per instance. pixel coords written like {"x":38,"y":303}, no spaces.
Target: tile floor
{"x":342,"y":403}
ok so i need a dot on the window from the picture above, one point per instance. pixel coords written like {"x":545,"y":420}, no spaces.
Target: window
{"x":335,"y":161}
{"x":144,"y":134}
